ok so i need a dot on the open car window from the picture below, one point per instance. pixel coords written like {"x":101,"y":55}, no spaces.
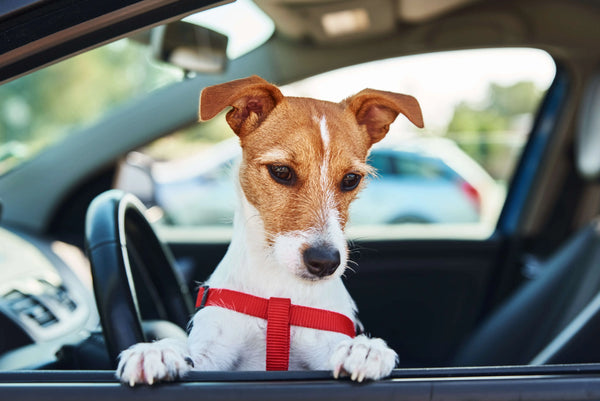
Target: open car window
{"x":448,"y":180}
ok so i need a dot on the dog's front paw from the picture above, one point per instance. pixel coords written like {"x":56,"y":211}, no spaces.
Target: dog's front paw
{"x":363,"y":358}
{"x":152,"y":362}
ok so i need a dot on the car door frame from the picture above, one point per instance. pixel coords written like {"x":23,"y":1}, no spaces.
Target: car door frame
{"x":574,"y":382}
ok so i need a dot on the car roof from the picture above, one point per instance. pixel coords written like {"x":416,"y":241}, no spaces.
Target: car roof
{"x":38,"y":33}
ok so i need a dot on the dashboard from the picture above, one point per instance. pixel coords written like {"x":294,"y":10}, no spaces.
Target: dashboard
{"x":46,"y":300}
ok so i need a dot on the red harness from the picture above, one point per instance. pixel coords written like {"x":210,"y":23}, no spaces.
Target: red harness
{"x":280,"y":315}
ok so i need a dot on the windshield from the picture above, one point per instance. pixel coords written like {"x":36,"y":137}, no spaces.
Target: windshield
{"x":41,"y":109}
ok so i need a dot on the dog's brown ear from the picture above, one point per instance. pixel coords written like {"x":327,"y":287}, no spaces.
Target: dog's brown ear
{"x":252,"y":99}
{"x":376,"y":110}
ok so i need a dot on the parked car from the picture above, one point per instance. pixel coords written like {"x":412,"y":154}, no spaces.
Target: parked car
{"x":425,"y":181}
{"x":506,"y":314}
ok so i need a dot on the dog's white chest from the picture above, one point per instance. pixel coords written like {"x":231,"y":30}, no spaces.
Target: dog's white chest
{"x":311,"y":349}
{"x":242,"y":341}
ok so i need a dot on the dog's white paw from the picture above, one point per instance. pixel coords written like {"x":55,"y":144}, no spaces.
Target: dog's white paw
{"x":363,"y":358}
{"x":149,"y":363}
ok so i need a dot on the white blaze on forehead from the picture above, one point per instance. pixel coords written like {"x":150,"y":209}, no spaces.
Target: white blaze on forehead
{"x":325,"y":161}
{"x":331,"y":232}
{"x":324,"y":134}
{"x":327,"y":193}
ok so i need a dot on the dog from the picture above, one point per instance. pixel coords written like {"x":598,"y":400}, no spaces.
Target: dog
{"x":303,"y":162}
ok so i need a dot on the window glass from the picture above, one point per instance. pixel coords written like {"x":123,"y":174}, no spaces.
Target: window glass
{"x":43,"y":108}
{"x":447,"y":180}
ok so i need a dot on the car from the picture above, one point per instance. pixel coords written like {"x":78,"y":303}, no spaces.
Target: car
{"x":505,"y":307}
{"x":411,"y":179}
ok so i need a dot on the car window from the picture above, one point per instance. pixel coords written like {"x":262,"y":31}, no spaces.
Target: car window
{"x":447,"y":180}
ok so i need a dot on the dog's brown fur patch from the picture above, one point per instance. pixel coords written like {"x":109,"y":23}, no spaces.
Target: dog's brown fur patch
{"x":293,"y":131}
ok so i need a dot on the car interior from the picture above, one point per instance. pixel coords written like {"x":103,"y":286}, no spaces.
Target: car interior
{"x":80,"y":283}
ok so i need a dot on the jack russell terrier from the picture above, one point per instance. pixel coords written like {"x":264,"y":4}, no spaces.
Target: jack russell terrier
{"x":276,"y":301}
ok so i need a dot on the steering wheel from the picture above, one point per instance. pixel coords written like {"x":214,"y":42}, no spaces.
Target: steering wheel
{"x":126,"y":254}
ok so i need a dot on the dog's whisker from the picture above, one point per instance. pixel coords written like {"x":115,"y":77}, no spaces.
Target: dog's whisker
{"x":352,"y":262}
{"x":348,"y":268}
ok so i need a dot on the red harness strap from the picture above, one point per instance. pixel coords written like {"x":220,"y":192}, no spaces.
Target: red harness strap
{"x":280,"y":315}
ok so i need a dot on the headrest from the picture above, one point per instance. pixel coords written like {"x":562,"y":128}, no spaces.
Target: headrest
{"x":587,"y":141}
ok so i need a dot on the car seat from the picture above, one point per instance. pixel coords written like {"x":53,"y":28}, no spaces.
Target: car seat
{"x":554,"y":318}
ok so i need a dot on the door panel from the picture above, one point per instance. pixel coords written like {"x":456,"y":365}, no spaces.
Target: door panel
{"x":422,"y":297}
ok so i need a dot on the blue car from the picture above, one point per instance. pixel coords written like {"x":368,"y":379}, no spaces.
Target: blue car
{"x":415,"y":187}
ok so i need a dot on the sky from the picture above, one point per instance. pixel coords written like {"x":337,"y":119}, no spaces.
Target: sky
{"x":438,"y":80}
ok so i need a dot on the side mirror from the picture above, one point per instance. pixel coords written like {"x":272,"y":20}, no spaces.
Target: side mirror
{"x":190,"y":47}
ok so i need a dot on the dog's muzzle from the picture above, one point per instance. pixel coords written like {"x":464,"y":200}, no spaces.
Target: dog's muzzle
{"x":321,"y":261}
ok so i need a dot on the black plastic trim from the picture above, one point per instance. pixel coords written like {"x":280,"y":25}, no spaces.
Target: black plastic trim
{"x":530,"y":162}
{"x":108,"y":376}
{"x":577,"y":382}
{"x":25,"y":32}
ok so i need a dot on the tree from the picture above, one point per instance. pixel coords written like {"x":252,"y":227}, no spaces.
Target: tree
{"x":503,"y":105}
{"x":43,"y":107}
{"x":485,"y":131}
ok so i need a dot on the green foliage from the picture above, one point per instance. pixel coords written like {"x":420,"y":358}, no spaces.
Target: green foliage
{"x":491,"y":133}
{"x":503,"y":105}
{"x":190,"y":140}
{"x":468,"y":119}
{"x":519,"y":98}
{"x":41,"y":108}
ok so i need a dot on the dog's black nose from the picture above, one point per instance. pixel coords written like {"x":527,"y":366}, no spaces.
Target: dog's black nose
{"x":321,"y":261}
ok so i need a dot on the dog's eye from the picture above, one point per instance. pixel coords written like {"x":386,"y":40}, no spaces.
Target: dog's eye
{"x":350,"y":181}
{"x":282,"y":174}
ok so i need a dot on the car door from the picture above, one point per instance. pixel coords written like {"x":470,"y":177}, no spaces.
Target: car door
{"x":435,"y":289}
